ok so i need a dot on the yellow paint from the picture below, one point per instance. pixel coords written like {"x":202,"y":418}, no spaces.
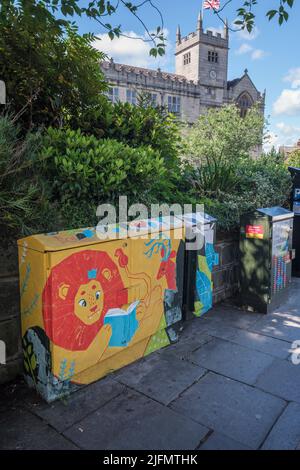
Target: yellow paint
{"x":71,"y":287}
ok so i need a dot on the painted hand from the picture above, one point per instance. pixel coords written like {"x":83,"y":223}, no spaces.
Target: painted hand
{"x":140,"y":311}
{"x":104,"y":338}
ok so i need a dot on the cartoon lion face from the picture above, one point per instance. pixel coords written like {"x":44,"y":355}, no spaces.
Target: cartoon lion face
{"x":77,"y":295}
{"x":88,"y":304}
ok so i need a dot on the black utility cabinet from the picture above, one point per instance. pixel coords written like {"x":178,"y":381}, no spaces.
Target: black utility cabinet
{"x":295,"y":207}
{"x":265,"y":258}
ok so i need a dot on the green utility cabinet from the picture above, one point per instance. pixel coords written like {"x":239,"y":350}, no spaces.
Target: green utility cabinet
{"x":295,"y":207}
{"x":266,"y":239}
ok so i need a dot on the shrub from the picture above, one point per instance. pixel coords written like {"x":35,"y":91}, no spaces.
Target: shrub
{"x":84,"y":168}
{"x":136,"y":126}
{"x":294,"y":159}
{"x":254,"y":183}
{"x":20,"y":193}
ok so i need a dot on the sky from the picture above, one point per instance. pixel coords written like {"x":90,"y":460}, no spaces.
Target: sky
{"x":270,"y":53}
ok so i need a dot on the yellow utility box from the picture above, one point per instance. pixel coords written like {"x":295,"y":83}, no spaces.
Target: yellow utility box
{"x":91,"y":305}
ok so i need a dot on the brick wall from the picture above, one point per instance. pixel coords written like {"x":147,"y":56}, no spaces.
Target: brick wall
{"x":225,"y":278}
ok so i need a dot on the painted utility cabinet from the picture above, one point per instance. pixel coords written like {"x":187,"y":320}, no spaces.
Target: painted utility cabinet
{"x":200,"y":235}
{"x":90,"y":305}
{"x":266,"y":253}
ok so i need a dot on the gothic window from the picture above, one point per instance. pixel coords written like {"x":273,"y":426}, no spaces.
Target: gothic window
{"x":244,"y":102}
{"x":174,"y":104}
{"x":113,"y":94}
{"x":213,"y":56}
{"x":131,"y":96}
{"x":187,"y":58}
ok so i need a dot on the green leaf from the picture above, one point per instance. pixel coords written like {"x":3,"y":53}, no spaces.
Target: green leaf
{"x":271,"y":14}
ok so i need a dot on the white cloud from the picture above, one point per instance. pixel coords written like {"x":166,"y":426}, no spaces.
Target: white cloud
{"x":273,"y":140}
{"x":244,"y":49}
{"x":258,"y":54}
{"x":293,"y":77}
{"x":288,"y":103}
{"x":282,"y":134}
{"x":243,"y":35}
{"x":288,"y":130}
{"x":131,"y":50}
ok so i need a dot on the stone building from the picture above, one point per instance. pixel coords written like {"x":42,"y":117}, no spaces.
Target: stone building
{"x":200,"y":82}
{"x":287,"y":150}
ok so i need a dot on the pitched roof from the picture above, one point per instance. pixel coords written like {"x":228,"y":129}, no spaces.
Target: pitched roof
{"x":233,"y":83}
{"x":143,"y":71}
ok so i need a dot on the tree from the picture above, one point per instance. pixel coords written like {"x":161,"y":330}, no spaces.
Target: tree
{"x":294,"y":159}
{"x":223,"y":135}
{"x":246,"y":13}
{"x":49,"y":76}
{"x":101,"y":11}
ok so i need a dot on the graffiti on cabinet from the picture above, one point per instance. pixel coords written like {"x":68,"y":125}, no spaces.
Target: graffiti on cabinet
{"x":93,"y":305}
{"x":206,"y":260}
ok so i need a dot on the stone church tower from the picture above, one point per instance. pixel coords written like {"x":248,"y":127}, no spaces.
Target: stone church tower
{"x":200,"y":81}
{"x":203,"y":58}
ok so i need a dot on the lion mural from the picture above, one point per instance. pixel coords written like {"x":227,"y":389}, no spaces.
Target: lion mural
{"x":78,"y":294}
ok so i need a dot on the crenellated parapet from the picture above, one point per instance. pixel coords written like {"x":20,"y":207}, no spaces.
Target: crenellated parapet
{"x":148,"y":78}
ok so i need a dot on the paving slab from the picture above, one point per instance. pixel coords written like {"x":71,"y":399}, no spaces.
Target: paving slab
{"x":132,"y":421}
{"x":281,"y":326}
{"x":285,"y":434}
{"x":265,"y":344}
{"x":282,"y":378}
{"x":20,"y":430}
{"x":219,"y":330}
{"x":232,"y":360}
{"x":193,"y":336}
{"x":217,"y":441}
{"x":231,"y":316}
{"x":161,"y":377}
{"x":238,"y":411}
{"x":183,"y":349}
{"x":64,"y":413}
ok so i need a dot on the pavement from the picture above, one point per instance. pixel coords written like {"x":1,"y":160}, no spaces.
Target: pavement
{"x":228,"y":384}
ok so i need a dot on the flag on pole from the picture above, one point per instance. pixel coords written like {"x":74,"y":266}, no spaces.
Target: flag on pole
{"x":211,"y":4}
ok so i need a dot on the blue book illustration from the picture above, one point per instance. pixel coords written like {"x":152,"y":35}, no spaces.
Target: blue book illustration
{"x":124,"y":325}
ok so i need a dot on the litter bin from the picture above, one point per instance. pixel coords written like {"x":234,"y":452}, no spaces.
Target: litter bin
{"x":200,"y":235}
{"x":295,"y":207}
{"x":265,"y":258}
{"x":90,"y":305}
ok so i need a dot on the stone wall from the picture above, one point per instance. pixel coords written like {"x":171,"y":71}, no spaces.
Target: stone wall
{"x":225,"y":279}
{"x":10,"y":328}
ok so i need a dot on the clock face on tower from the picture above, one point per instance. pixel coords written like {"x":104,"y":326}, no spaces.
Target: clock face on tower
{"x":213,"y":74}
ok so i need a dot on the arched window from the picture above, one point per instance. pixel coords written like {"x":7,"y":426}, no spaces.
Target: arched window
{"x":244,"y":102}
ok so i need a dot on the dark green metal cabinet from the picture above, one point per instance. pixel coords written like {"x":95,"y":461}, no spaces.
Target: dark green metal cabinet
{"x":295,"y":207}
{"x":200,"y":258}
{"x":265,"y":258}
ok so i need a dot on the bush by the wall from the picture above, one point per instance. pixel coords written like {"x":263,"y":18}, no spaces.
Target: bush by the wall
{"x":136,"y":126}
{"x":84,"y":168}
{"x":20,"y":192}
{"x":294,"y":159}
{"x":263,"y":182}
